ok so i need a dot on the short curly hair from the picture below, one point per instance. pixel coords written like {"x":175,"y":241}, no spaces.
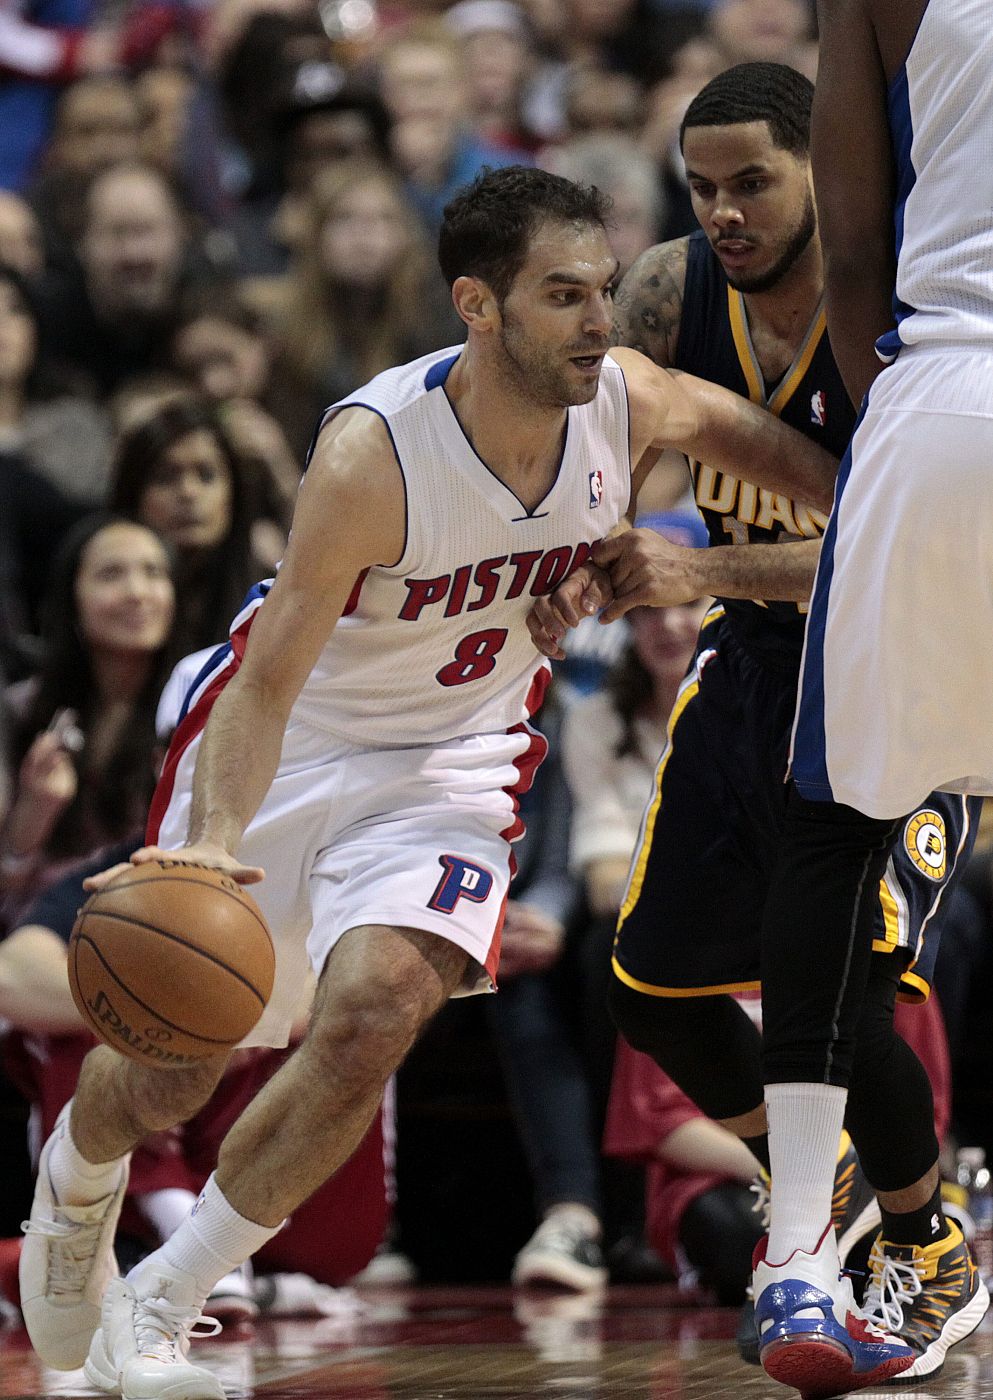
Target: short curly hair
{"x":757,"y":92}
{"x":488,"y":226}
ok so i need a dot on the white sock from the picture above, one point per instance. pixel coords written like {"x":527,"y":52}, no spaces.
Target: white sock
{"x":805,"y":1122}
{"x":166,"y":1209}
{"x":76,"y":1181}
{"x":211,"y":1241}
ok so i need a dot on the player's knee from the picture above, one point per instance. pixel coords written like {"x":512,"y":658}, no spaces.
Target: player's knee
{"x":364,"y":1027}
{"x":158,"y":1099}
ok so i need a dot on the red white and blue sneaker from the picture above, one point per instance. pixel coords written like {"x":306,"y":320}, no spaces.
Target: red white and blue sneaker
{"x":811,"y":1333}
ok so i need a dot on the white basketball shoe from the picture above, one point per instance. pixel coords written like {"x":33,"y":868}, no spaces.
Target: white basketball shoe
{"x":142,"y":1348}
{"x":67,"y":1260}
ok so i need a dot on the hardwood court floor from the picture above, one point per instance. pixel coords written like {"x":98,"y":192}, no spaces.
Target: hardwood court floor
{"x":487,"y":1344}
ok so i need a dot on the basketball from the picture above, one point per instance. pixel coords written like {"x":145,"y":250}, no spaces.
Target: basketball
{"x":171,"y":963}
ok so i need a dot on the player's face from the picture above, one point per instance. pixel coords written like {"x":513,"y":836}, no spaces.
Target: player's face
{"x":124,"y":591}
{"x":754,"y":201}
{"x":556,"y":318}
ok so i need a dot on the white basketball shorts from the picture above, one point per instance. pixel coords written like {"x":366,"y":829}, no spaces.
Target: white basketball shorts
{"x":409,"y":837}
{"x":897,"y":684}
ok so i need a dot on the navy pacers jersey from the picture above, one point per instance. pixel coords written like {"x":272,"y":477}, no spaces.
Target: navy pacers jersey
{"x":714,"y":343}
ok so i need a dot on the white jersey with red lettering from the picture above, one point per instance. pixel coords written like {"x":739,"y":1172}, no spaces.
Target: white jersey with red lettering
{"x":435,"y":646}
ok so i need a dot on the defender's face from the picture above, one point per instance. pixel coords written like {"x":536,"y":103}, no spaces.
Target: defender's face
{"x":556,"y":318}
{"x":754,"y":201}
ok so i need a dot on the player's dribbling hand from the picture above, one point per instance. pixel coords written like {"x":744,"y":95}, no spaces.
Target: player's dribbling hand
{"x":647,"y":570}
{"x":205,"y":853}
{"x":583,"y":594}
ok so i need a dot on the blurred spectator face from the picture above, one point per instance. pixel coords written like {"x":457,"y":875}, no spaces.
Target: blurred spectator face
{"x":132,"y":244}
{"x":363,"y":237}
{"x":224,"y":360}
{"x":496,"y":62}
{"x":595,"y":20}
{"x":165,"y":95}
{"x":554,"y":333}
{"x":600,"y":101}
{"x":188,"y":499}
{"x":20,"y":237}
{"x":124,"y":591}
{"x":98,"y":124}
{"x":633,"y":226}
{"x":664,"y":638}
{"x":18,"y":337}
{"x":760,"y":30}
{"x":421,"y":80}
{"x":322,"y":138}
{"x":754,"y":201}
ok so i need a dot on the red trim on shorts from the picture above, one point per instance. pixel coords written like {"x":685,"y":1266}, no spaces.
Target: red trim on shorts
{"x":193,"y":725}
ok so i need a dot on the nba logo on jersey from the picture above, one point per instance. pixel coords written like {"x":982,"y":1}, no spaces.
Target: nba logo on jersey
{"x":818,"y":408}
{"x":596,"y":489}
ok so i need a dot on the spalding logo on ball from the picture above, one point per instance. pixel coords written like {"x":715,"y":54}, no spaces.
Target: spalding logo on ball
{"x":171,"y":963}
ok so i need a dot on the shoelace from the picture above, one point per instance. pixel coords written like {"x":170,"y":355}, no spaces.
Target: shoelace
{"x":70,"y":1259}
{"x":894,"y":1283}
{"x":763,"y":1200}
{"x":563,"y":1234}
{"x":164,"y":1330}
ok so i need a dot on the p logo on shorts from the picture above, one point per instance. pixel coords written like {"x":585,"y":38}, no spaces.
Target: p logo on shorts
{"x":461,"y":880}
{"x":924,"y":837}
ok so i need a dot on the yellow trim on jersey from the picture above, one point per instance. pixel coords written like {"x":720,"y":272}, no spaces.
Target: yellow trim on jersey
{"x":789,"y":385}
{"x":652,"y":991}
{"x":641,"y":861}
{"x":913,"y":989}
{"x":743,"y":345}
{"x":748,"y":360}
{"x":711,"y":615}
{"x":891,"y":919}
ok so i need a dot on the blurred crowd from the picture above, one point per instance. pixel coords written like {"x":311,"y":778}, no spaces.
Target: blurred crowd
{"x":216,"y":217}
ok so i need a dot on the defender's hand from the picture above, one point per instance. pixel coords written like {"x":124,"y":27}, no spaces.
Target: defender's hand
{"x":205,"y":853}
{"x":647,"y":570}
{"x":583,"y":593}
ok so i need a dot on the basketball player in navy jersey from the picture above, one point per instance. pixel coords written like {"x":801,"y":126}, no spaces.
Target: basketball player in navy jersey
{"x":363,"y":741}
{"x":741,"y":303}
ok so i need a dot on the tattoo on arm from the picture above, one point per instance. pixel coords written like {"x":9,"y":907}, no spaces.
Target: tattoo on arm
{"x":649,"y":302}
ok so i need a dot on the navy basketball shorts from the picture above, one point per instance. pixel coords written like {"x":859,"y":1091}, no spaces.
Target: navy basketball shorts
{"x":690,"y":923}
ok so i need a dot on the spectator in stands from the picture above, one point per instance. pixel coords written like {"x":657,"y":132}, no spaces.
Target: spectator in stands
{"x":533,"y":1026}
{"x":137,"y":258}
{"x":616,"y":165}
{"x":21,"y":244}
{"x":177,"y":472}
{"x":767,"y":31}
{"x":364,"y":293}
{"x":45,"y":416}
{"x":423,"y":83}
{"x":86,"y":721}
{"x":498,"y":59}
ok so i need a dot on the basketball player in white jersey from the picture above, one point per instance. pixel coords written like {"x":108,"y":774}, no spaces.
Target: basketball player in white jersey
{"x":367,"y":739}
{"x":898,"y":662}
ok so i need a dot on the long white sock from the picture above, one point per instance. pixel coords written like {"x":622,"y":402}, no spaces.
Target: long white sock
{"x":805,"y":1122}
{"x":76,"y":1181}
{"x":211,"y":1241}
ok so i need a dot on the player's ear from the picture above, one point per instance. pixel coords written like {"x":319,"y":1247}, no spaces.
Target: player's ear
{"x":475,"y":302}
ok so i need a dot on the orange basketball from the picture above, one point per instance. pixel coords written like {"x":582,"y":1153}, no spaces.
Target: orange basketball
{"x":171,"y":963}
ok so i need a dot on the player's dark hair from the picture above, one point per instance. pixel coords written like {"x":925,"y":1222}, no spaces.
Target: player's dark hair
{"x":757,"y":92}
{"x":487,"y":227}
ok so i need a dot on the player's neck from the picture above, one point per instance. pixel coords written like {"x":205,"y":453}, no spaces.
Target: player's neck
{"x":787,"y":309}
{"x":518,"y":440}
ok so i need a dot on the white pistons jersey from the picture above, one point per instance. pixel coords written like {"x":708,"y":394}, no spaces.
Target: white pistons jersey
{"x":437,"y":646}
{"x":941,"y":118}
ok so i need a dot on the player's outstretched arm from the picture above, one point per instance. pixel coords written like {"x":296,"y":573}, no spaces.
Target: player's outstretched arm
{"x":350,"y":515}
{"x":716,"y":426}
{"x":647,"y":570}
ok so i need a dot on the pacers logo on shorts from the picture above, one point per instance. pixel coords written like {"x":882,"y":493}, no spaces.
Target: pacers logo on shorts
{"x":924,"y":838}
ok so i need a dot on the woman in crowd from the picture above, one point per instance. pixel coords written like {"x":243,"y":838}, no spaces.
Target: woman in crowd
{"x":85,"y":724}
{"x":363,"y":293}
{"x":177,"y":472}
